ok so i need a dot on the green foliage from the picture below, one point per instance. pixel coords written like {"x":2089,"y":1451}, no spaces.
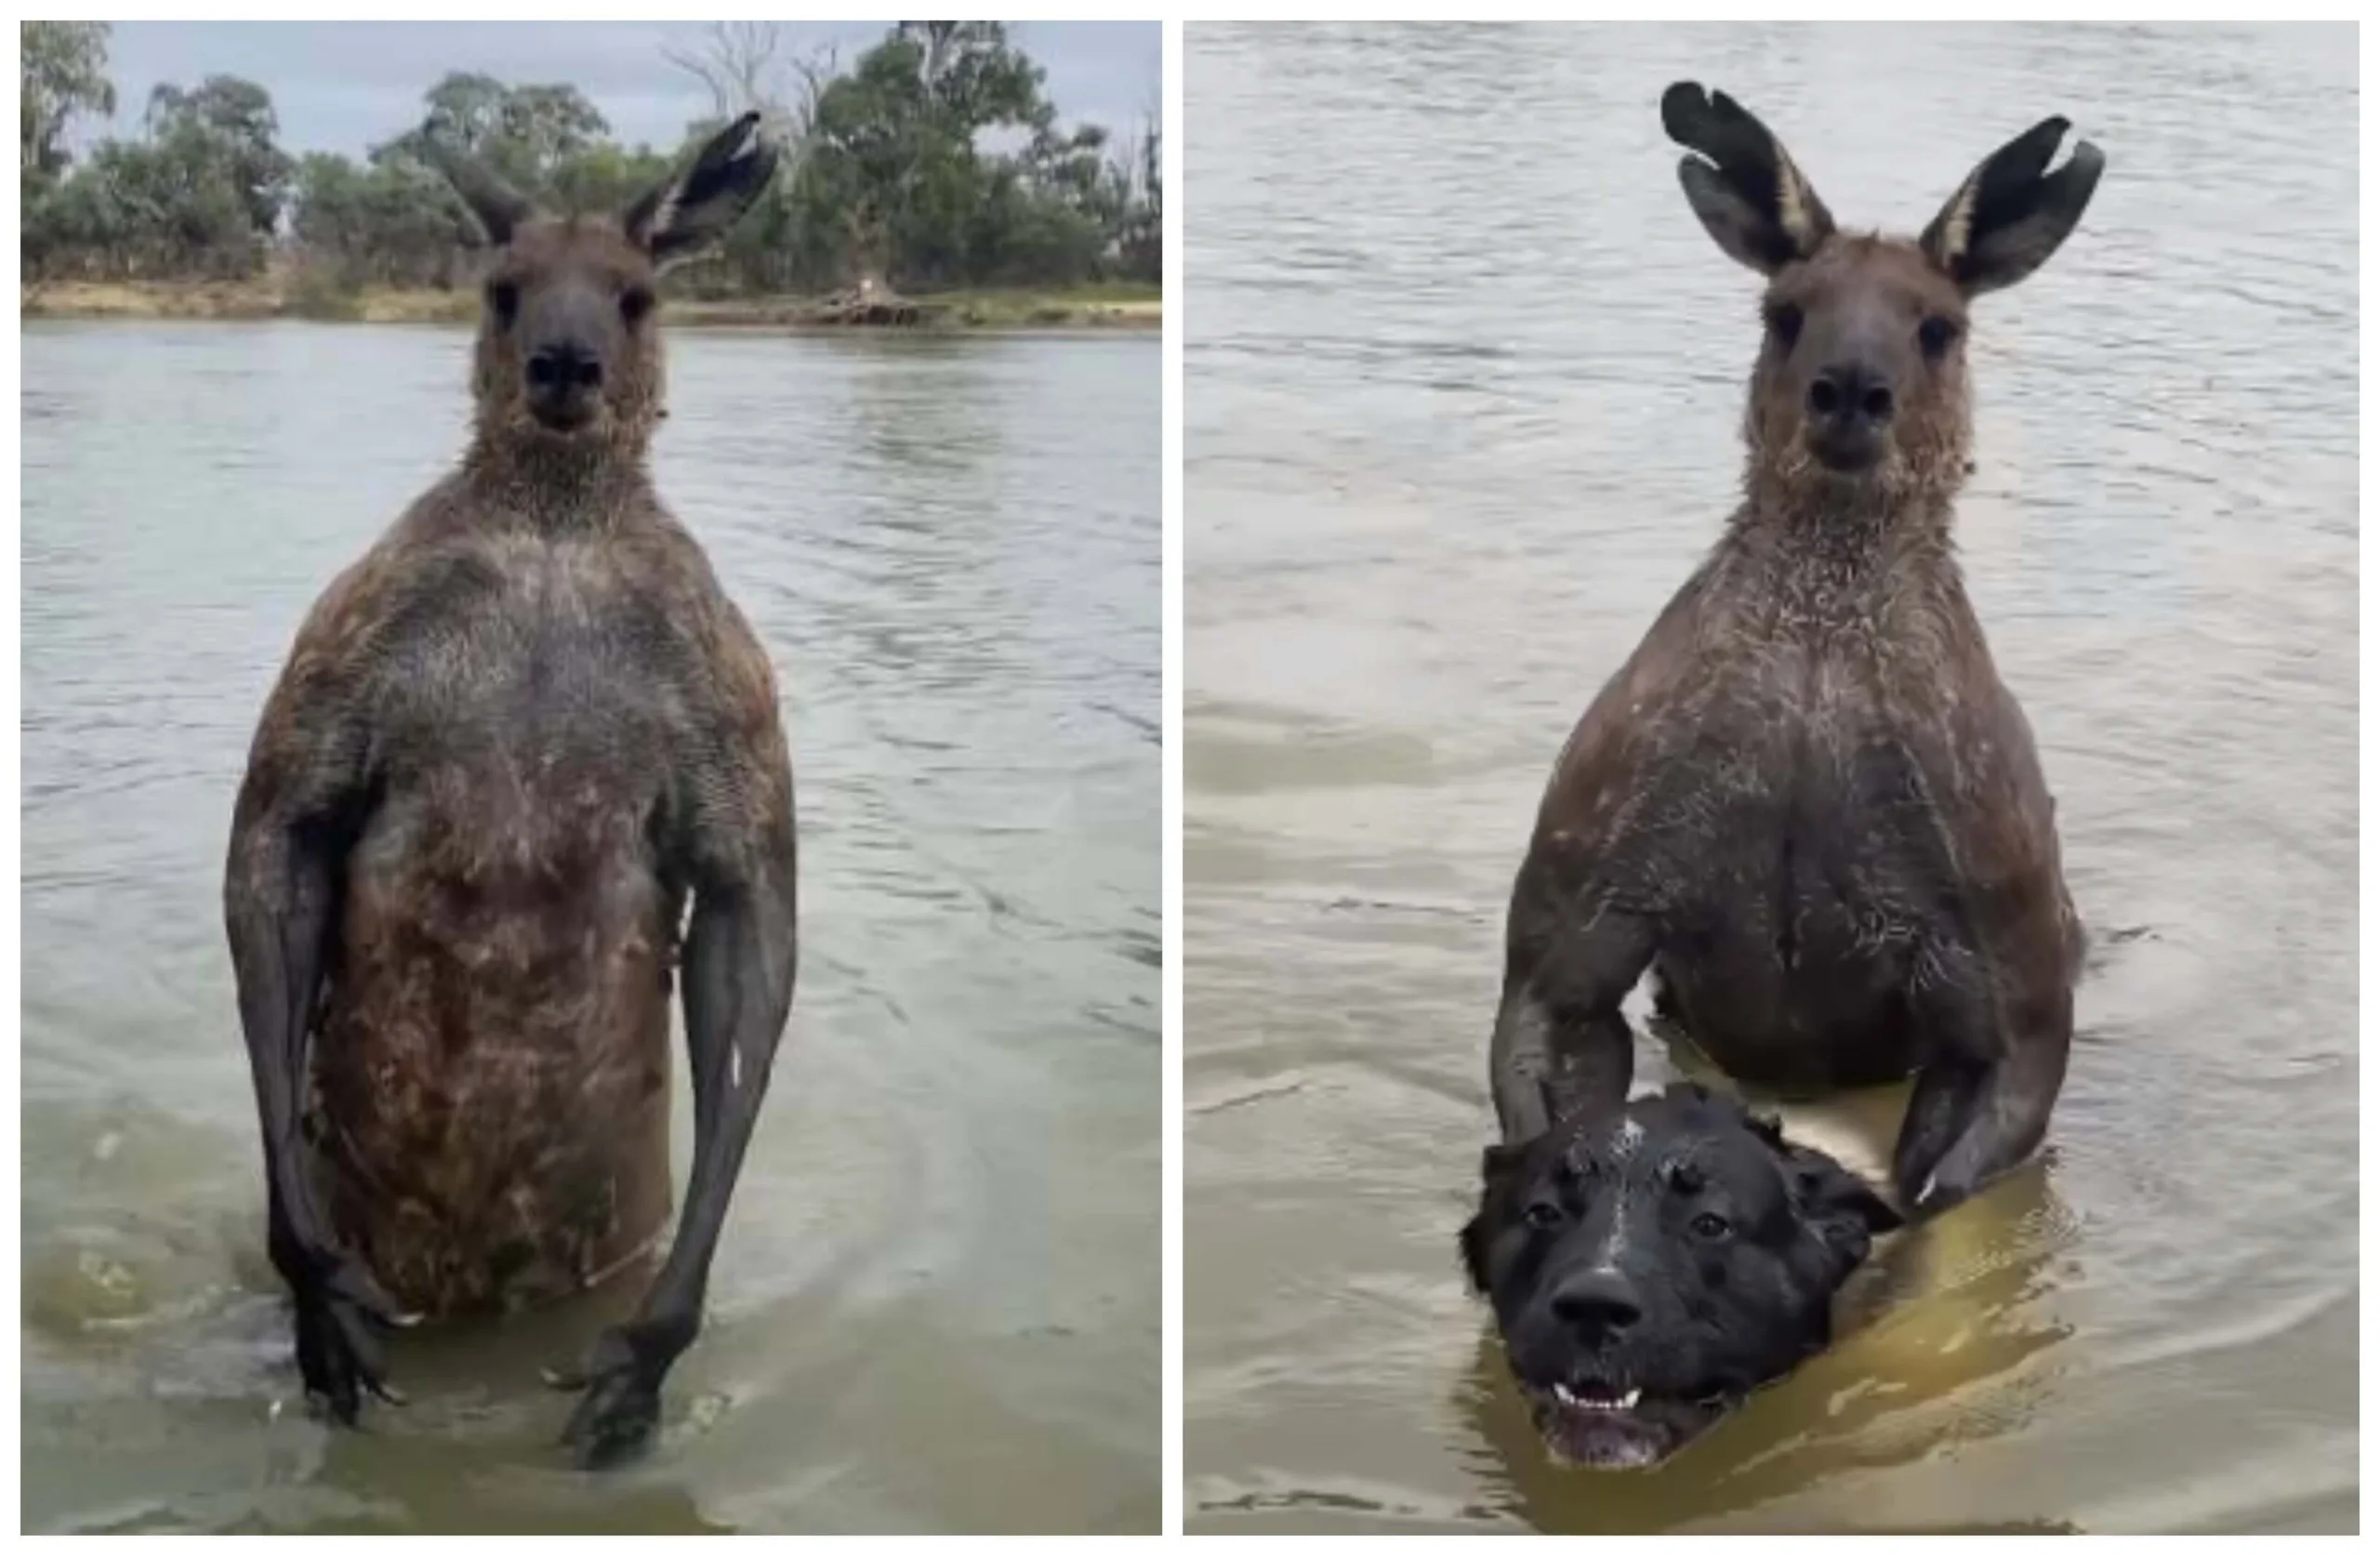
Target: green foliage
{"x":227,"y":126}
{"x":317,"y":292}
{"x":62,"y":71}
{"x":891,"y":177}
{"x":540,"y":140}
{"x":144,"y":208}
{"x":392,"y":221}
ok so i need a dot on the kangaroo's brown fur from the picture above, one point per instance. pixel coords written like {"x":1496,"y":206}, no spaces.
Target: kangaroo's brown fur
{"x":511,"y":747}
{"x":1807,"y":803}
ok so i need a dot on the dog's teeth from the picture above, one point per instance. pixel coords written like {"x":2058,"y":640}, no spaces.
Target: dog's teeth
{"x":1562,"y":1392}
{"x":1628,"y":1400}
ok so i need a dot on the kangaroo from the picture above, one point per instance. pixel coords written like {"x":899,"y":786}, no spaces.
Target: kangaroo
{"x":1806,"y":803}
{"x":509,"y":746}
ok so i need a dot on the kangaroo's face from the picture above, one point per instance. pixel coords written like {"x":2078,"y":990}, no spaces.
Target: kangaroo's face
{"x":569,"y":348}
{"x":1862,"y":368}
{"x":1861,"y":380}
{"x":567,"y":344}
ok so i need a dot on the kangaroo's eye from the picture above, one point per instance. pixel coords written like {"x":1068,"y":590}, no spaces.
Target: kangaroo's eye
{"x":1934,"y":335}
{"x":504,"y":300}
{"x":635,"y":303}
{"x":1785,"y":324}
{"x":1709,"y":1227}
{"x":1543,"y":1214}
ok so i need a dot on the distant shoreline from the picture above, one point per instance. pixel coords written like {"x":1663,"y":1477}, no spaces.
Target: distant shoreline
{"x":1085,"y":311}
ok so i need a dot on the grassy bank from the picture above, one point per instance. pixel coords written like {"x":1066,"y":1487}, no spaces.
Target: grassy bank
{"x":1085,"y":308}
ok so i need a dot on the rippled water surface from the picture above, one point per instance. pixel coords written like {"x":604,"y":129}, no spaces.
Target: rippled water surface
{"x":1464,"y":377}
{"x":936,"y":1302}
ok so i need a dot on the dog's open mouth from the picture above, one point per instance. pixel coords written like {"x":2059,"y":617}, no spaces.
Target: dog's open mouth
{"x":1598,"y":1424}
{"x":1595,"y":1396}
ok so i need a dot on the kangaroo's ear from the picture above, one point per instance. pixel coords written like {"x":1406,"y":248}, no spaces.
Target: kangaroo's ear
{"x":498,"y":206}
{"x":693,"y":209}
{"x":1748,"y":194}
{"x":2008,"y":217}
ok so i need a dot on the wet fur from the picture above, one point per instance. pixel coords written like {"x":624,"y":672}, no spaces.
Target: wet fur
{"x":512,"y":747}
{"x":491,"y":1076}
{"x":1606,"y":1204}
{"x":1807,"y":802}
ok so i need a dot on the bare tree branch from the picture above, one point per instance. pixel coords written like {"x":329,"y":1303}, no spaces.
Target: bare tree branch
{"x":736,"y":62}
{"x":744,"y":65}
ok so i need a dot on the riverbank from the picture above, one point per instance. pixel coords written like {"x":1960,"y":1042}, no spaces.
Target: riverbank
{"x":1089,"y":308}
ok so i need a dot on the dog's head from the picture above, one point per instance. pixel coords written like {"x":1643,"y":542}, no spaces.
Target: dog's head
{"x":1651,"y":1266}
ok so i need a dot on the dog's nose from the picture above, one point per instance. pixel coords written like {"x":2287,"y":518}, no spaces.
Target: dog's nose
{"x":1598,"y":1302}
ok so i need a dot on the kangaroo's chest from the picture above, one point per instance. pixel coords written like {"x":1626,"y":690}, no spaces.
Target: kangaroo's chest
{"x":1803,"y":798}
{"x":546,"y":666}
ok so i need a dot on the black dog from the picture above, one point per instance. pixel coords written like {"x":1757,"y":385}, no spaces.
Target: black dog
{"x":1650,"y":1267}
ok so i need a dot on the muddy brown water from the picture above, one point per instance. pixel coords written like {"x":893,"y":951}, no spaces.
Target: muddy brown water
{"x":937,"y":1303}
{"x":1462,"y":380}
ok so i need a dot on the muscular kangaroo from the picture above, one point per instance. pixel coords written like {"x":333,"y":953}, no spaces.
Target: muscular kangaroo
{"x":512,"y":744}
{"x":1807,"y":802}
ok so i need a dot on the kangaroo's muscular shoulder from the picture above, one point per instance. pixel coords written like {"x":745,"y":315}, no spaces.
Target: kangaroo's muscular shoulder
{"x":455,"y":627}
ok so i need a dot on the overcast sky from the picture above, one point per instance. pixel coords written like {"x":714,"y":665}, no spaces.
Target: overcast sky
{"x":344,"y":86}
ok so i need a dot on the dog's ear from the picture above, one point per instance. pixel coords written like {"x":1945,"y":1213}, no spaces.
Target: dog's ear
{"x":1499,"y":1167}
{"x":1498,"y":1164}
{"x":1837,"y":1204}
{"x":1474,"y":1252}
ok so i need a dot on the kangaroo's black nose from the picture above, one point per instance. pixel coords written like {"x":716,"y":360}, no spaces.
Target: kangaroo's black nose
{"x":564,"y":368}
{"x":1851,"y":392}
{"x":1597,"y":1302}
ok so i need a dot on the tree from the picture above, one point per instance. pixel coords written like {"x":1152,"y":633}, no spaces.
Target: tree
{"x":1139,"y":172}
{"x":529,"y":135}
{"x":606,"y":177}
{"x":198,"y":194}
{"x":973,"y":77}
{"x":61,"y":68}
{"x":889,"y":171}
{"x":159,"y":208}
{"x":545,"y":127}
{"x":466,"y":110}
{"x":892,"y":153}
{"x":228,"y":122}
{"x":738,"y":63}
{"x":391,"y":221}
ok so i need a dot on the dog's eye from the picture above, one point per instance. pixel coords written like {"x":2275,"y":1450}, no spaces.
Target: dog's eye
{"x":1543,"y":1213}
{"x":1709,"y":1226}
{"x":1934,"y":335}
{"x":1785,"y":324}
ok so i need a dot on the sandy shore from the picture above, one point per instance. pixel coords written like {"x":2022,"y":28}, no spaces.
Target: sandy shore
{"x":1097,"y":309}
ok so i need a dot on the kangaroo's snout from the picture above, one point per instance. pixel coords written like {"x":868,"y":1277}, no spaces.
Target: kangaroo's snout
{"x":567,"y":340}
{"x":1849,"y":409}
{"x":564,"y":379}
{"x":1851,"y":392}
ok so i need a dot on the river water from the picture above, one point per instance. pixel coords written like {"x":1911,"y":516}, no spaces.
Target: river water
{"x":1463,"y":382}
{"x":937,"y":1303}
